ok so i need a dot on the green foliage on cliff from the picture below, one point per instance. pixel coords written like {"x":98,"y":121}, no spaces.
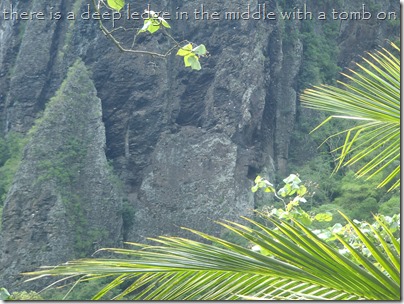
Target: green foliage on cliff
{"x":11,"y":149}
{"x":320,"y":53}
{"x":374,"y":106}
{"x":65,"y":166}
{"x":62,"y":149}
{"x":370,"y":96}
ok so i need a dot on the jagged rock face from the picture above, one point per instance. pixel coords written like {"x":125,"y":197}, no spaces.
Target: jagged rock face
{"x":64,"y":202}
{"x":185,"y":144}
{"x":200,"y":166}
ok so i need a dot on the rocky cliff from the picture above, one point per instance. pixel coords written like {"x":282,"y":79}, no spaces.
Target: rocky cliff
{"x":184,"y":144}
{"x":64,"y":201}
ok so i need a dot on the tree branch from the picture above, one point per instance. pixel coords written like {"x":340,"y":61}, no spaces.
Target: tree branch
{"x":109,"y":35}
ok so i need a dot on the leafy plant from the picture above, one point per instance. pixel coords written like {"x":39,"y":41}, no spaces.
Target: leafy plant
{"x":286,"y":259}
{"x":116,"y":4}
{"x":293,"y":185}
{"x":298,"y":265}
{"x":371,"y":97}
{"x":311,"y":220}
{"x":152,"y":22}
{"x":18,"y":296}
{"x":191,"y":55}
{"x":4,"y":294}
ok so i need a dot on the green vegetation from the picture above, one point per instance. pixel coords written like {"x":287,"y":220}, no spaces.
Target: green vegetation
{"x":285,"y":260}
{"x":63,"y":167}
{"x":320,"y":53}
{"x":153,"y":22}
{"x":365,"y":195}
{"x":291,"y":263}
{"x":64,"y":161}
{"x":292,"y":254}
{"x":69,"y":33}
{"x":83,"y":291}
{"x":25,"y":296}
{"x":11,"y":149}
{"x":372,"y":98}
{"x":321,"y":221}
{"x":19,"y":296}
{"x":344,"y":192}
{"x":298,"y":252}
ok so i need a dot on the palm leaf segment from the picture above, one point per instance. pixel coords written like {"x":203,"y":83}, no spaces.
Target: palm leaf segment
{"x":372,"y":97}
{"x":299,"y":266}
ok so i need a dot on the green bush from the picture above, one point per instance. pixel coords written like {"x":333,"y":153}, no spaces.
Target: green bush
{"x":358,"y":197}
{"x":391,"y":206}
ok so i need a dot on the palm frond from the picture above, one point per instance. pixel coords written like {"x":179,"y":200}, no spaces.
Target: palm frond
{"x":371,"y":96}
{"x":300,"y":266}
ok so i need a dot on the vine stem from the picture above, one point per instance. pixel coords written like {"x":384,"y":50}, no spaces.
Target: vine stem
{"x":109,"y":35}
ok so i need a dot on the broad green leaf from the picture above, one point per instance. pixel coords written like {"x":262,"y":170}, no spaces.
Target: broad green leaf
{"x":151,"y":25}
{"x":194,"y":61}
{"x":186,"y":59}
{"x":4,"y":294}
{"x":254,"y":188}
{"x":302,"y":190}
{"x":257,"y":179}
{"x":164,"y":22}
{"x":153,"y":28}
{"x":286,"y":190}
{"x":185,"y":50}
{"x":269,"y":189}
{"x":147,"y":23}
{"x":200,"y":50}
{"x":293,"y":178}
{"x":116,"y":4}
{"x":291,"y":205}
{"x":323,"y":217}
{"x":261,"y":184}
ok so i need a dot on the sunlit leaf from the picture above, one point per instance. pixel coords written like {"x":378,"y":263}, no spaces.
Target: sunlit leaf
{"x":200,"y":50}
{"x":302,"y":190}
{"x":116,"y":4}
{"x":164,"y":22}
{"x":293,"y":178}
{"x":185,"y":50}
{"x":323,"y":217}
{"x":186,"y":60}
{"x":254,"y":188}
{"x":153,"y":28}
{"x":4,"y":294}
{"x":147,"y":23}
{"x":193,"y":62}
